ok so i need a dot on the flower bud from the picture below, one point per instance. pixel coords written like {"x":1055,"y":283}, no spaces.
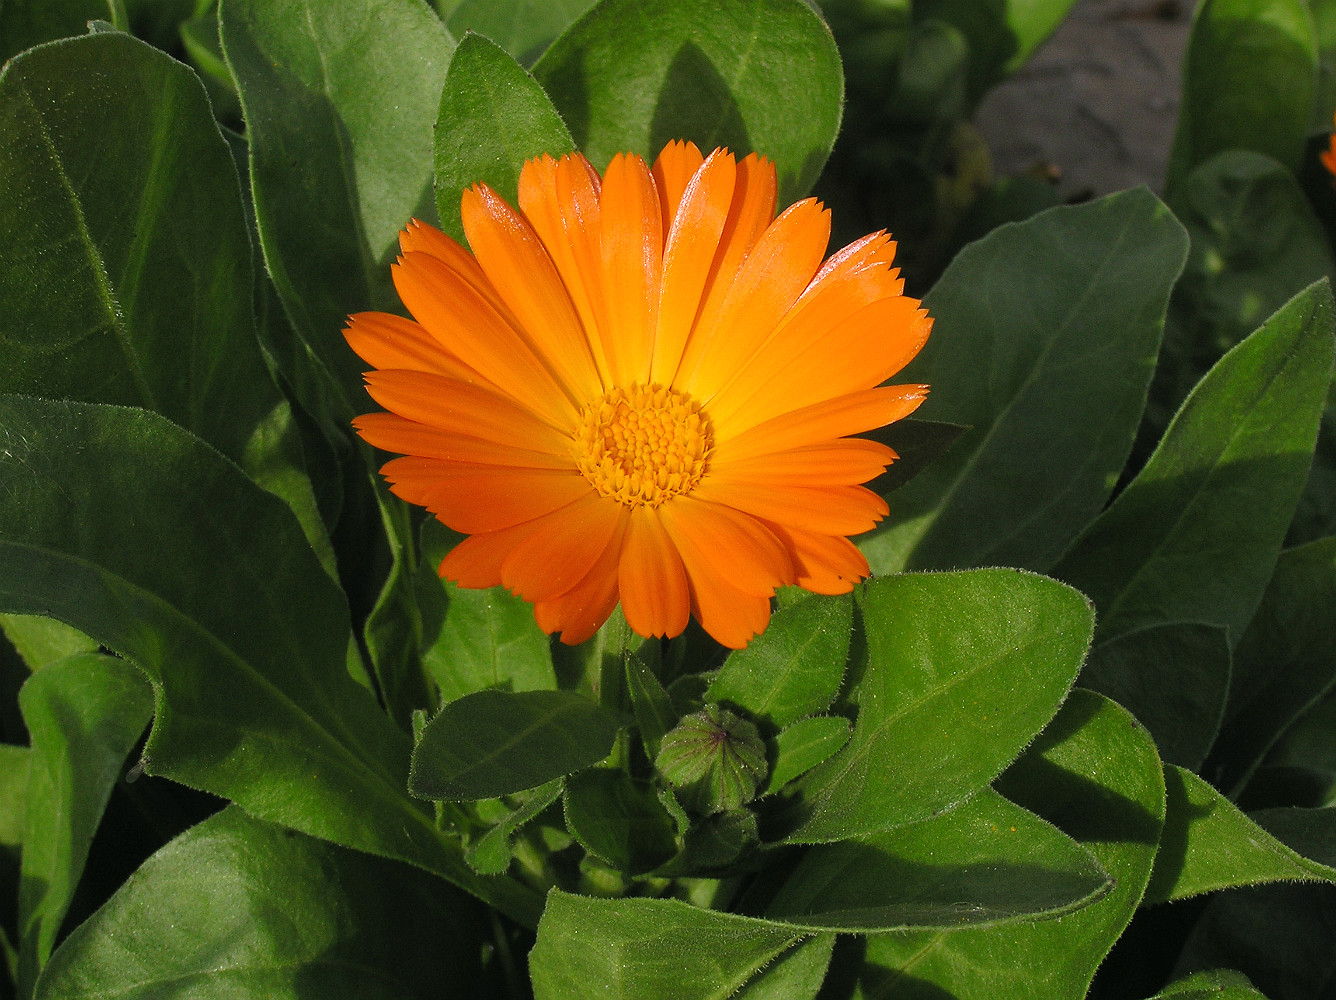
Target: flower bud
{"x":714,"y":759}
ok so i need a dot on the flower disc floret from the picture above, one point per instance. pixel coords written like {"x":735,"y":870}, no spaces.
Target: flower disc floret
{"x":643,"y":444}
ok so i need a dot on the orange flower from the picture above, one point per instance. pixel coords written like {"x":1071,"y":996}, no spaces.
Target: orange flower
{"x":639,"y":388}
{"x":1328,"y":155}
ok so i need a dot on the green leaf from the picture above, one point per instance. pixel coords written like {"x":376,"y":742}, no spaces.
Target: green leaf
{"x":619,"y":820}
{"x":107,"y":515}
{"x":918,"y":443}
{"x":128,"y":272}
{"x":1249,"y":78}
{"x":760,"y":75}
{"x":1286,"y":661}
{"x":985,"y":862}
{"x":14,"y":764}
{"x":237,"y":907}
{"x":1195,"y":535}
{"x":963,"y":669}
{"x":339,"y":103}
{"x":1309,"y":832}
{"x":524,"y":28}
{"x":44,"y":640}
{"x":795,"y":975}
{"x":1050,"y":378}
{"x":1218,"y":984}
{"x":1209,"y":844}
{"x":25,"y":23}
{"x":648,"y":949}
{"x":1174,"y":678}
{"x":792,"y":669}
{"x":493,"y":743}
{"x":1094,"y":774}
{"x":493,"y":117}
{"x":654,"y":711}
{"x":490,"y":853}
{"x":804,"y":745}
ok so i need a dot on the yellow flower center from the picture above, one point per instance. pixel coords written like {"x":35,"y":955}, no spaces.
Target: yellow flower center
{"x":643,"y":444}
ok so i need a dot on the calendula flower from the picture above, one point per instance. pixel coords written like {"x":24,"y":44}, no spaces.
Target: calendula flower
{"x":640,"y":388}
{"x":1328,"y":155}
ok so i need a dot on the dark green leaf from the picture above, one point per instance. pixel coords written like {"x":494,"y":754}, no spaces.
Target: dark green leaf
{"x":918,"y":443}
{"x":85,"y":714}
{"x":1051,"y":378}
{"x":339,"y":102}
{"x":248,"y":659}
{"x":1174,"y":678}
{"x":1249,"y":77}
{"x":793,"y":668}
{"x":654,"y":711}
{"x":1309,"y":832}
{"x":619,"y":820}
{"x":963,"y":669}
{"x":25,"y":23}
{"x":1195,"y":536}
{"x":524,"y":28}
{"x":985,"y":862}
{"x":1286,"y":661}
{"x":1210,"y":844}
{"x":493,"y":117}
{"x":236,"y":907}
{"x":13,"y":794}
{"x":1218,"y":984}
{"x":648,"y":949}
{"x":1095,"y":775}
{"x":759,"y":75}
{"x":493,"y":743}
{"x":804,"y":745}
{"x":490,"y":853}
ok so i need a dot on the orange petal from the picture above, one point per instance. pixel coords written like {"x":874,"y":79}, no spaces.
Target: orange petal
{"x":825,"y":510}
{"x":386,"y":341}
{"x":391,"y":432}
{"x":519,"y":268}
{"x":475,"y":498}
{"x":693,"y":239}
{"x":852,"y":414}
{"x":752,"y":209}
{"x":582,"y":610}
{"x":463,"y":320}
{"x":464,"y":408}
{"x":421,"y":237}
{"x":550,"y":562}
{"x":776,"y":272}
{"x":844,"y":462}
{"x":858,"y":353}
{"x":728,"y":614}
{"x":673,"y":171}
{"x":825,"y":564}
{"x":651,"y":580}
{"x":631,"y":255}
{"x":476,"y":561}
{"x":754,"y":561}
{"x":560,"y":200}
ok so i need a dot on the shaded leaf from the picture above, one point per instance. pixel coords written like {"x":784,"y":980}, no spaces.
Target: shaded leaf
{"x":490,"y":853}
{"x":654,"y":711}
{"x":792,"y":669}
{"x":1174,"y":678}
{"x":1195,"y":535}
{"x":493,"y":743}
{"x":237,"y":907}
{"x":13,"y":794}
{"x":1218,"y":984}
{"x":524,"y":28}
{"x":25,"y":23}
{"x":918,"y":443}
{"x":493,"y":116}
{"x":963,"y":669}
{"x":1050,"y":380}
{"x":619,"y":820}
{"x":759,"y":75}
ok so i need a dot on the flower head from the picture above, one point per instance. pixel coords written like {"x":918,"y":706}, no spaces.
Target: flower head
{"x":1328,"y":155}
{"x":639,"y":388}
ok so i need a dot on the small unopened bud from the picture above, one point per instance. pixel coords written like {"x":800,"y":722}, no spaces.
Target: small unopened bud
{"x":714,"y":759}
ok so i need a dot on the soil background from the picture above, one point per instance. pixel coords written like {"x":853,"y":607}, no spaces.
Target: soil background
{"x":1095,"y":107}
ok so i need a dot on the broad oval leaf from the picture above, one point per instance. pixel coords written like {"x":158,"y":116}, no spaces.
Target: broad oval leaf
{"x":1050,"y":377}
{"x":84,"y":715}
{"x":760,"y":75}
{"x":493,"y":116}
{"x":493,"y":743}
{"x":1095,"y":775}
{"x":339,"y":101}
{"x":962,"y":670}
{"x":984,"y":862}
{"x":792,"y":669}
{"x":237,"y":907}
{"x":1209,"y":843}
{"x":1195,"y":535}
{"x":107,"y":515}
